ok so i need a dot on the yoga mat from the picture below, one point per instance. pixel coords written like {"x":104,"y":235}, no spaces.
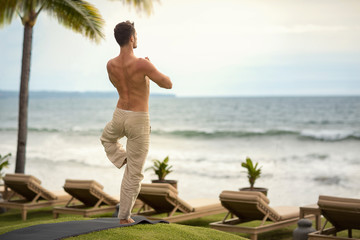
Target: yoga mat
{"x":72,"y":228}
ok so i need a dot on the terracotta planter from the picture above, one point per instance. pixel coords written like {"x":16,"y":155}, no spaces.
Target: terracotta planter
{"x":172,"y":182}
{"x":263,"y":190}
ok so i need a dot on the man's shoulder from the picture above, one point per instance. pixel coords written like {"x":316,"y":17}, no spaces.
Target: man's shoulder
{"x":113,"y":63}
{"x":110,"y":63}
{"x":137,"y":64}
{"x":143,"y":64}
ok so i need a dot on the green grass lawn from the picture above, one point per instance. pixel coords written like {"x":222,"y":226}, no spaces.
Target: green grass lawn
{"x":191,"y":229}
{"x":11,"y":220}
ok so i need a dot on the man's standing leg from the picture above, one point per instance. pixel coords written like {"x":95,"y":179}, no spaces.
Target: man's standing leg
{"x":137,"y":148}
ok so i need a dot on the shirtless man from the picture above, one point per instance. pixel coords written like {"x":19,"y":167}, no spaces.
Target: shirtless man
{"x":130,"y":76}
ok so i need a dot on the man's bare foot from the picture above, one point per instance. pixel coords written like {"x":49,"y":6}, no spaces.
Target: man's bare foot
{"x":126,"y":221}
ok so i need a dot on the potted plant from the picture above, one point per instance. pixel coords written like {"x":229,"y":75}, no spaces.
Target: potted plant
{"x":161,"y":169}
{"x":254,"y":172}
{"x":4,"y":162}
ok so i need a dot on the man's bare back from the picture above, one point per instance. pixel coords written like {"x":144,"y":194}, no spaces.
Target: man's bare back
{"x":130,"y":76}
{"x":132,"y":85}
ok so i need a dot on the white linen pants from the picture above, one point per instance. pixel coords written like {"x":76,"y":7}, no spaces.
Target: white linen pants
{"x":136,"y":127}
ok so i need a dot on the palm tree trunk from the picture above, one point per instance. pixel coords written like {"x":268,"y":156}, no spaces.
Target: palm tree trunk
{"x":24,"y":99}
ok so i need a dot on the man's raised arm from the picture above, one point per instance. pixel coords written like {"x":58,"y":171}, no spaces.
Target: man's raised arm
{"x":160,"y":79}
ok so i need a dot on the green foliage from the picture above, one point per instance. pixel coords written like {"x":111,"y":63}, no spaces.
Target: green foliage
{"x":78,"y":15}
{"x":141,"y":5}
{"x":4,"y":163}
{"x":253,"y":171}
{"x":161,"y":168}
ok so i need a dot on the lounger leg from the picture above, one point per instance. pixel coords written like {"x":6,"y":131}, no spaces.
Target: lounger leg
{"x":223,"y":221}
{"x":23,"y":214}
{"x":98,"y":202}
{"x":36,"y":197}
{"x":349,"y":233}
{"x":253,"y":237}
{"x":68,"y":203}
{"x":264,"y":219}
{"x":147,"y":207}
{"x":56,"y":215}
{"x":141,"y":208}
{"x":323,"y":227}
{"x":318,"y":222}
{"x":173,"y":211}
{"x":11,"y":195}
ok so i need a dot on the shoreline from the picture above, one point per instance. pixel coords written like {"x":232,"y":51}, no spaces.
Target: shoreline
{"x":206,"y":140}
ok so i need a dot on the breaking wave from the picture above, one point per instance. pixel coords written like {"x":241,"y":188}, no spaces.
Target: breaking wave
{"x":318,"y":135}
{"x":310,"y":135}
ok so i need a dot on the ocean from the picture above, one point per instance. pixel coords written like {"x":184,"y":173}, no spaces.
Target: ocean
{"x":306,"y":146}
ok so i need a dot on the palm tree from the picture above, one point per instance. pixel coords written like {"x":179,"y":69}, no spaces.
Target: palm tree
{"x":78,"y":15}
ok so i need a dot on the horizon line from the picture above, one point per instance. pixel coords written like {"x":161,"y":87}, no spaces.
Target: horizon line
{"x":185,"y":96}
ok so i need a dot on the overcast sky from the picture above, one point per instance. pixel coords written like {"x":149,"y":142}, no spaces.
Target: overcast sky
{"x":208,"y":48}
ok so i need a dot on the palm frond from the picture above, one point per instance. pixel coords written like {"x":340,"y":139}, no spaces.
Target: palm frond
{"x":78,"y":15}
{"x":8,"y":9}
{"x":140,"y":5}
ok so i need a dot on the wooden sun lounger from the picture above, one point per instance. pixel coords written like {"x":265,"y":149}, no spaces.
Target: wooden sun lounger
{"x":342,"y":213}
{"x":163,"y":198}
{"x":90,"y":193}
{"x":248,"y":206}
{"x":33,"y":195}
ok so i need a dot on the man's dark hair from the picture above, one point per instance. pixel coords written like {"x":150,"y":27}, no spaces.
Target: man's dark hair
{"x":123,"y":31}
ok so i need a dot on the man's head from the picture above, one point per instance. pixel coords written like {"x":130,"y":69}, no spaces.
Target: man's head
{"x":125,"y":33}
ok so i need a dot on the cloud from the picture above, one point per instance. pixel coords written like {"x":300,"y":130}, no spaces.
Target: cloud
{"x":206,"y":47}
{"x":310,"y":28}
